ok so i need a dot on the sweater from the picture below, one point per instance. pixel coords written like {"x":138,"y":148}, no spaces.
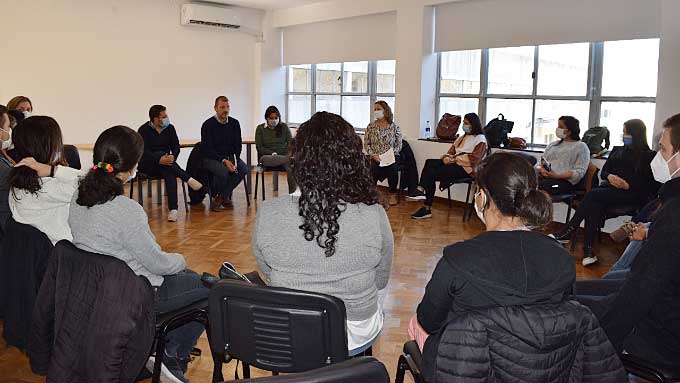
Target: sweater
{"x":221,"y":141}
{"x":568,"y":156}
{"x":498,"y":268}
{"x":267,"y":143}
{"x":48,"y":209}
{"x":358,"y":269}
{"x":157,"y":144}
{"x":120,"y":228}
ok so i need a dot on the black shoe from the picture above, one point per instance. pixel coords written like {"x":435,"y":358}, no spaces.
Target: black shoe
{"x":564,"y":236}
{"x":209,"y":280}
{"x":422,"y":213}
{"x":416,"y":195}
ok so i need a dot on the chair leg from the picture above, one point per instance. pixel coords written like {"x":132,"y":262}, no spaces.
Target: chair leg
{"x":449,"y":193}
{"x":246,"y":371}
{"x":186,"y":200}
{"x":276,"y":180}
{"x":257,"y":182}
{"x":160,"y":352}
{"x":263,"y":196}
{"x":467,"y":201}
{"x":159,"y":191}
{"x":569,"y":203}
{"x":132,"y":188}
{"x":401,"y":369}
{"x":140,"y":191}
{"x":245,"y":186}
{"x":148,"y":188}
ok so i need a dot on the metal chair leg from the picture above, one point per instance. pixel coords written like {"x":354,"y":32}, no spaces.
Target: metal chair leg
{"x":246,"y":371}
{"x":186,"y":200}
{"x":132,"y":188}
{"x":449,"y":192}
{"x":159,"y":191}
{"x":263,"y":196}
{"x":401,"y":369}
{"x":148,"y":188}
{"x":245,"y":186}
{"x":257,"y":182}
{"x":140,"y":191}
{"x":276,"y":180}
{"x":467,"y":201}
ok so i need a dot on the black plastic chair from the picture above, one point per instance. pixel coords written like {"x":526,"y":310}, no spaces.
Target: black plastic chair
{"x":260,"y":170}
{"x":141,"y":177}
{"x":410,"y":360}
{"x":468,"y":208}
{"x":648,"y":371}
{"x":364,"y":369}
{"x":275,"y":329}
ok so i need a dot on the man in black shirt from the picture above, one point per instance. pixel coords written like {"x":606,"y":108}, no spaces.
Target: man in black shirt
{"x":221,"y":148}
{"x":161,"y":149}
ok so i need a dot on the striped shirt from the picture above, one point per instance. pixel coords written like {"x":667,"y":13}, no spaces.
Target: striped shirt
{"x":379,"y":140}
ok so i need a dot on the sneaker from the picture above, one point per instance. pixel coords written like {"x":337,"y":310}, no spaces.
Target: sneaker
{"x":563,"y":236}
{"x":422,"y":213}
{"x":194,"y":185}
{"x":587,"y":261}
{"x":172,"y":217}
{"x":216,"y":204}
{"x":418,"y":195}
{"x":168,"y":374}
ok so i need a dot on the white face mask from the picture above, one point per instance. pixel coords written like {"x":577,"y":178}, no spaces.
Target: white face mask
{"x":467,"y":129}
{"x":132,"y":175}
{"x":560,"y":133}
{"x":478,"y":210}
{"x":7,"y":144}
{"x":378,"y":114}
{"x":273,"y":123}
{"x":660,"y":169}
{"x":26,"y":113}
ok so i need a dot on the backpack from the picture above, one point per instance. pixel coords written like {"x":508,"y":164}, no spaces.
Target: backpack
{"x":497,"y":130}
{"x":447,"y":128}
{"x":594,"y":137}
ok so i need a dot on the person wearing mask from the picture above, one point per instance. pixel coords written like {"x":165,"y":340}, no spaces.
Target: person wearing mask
{"x":272,"y":139}
{"x":6,"y":164}
{"x":628,"y":181}
{"x":459,"y":162}
{"x":161,"y":150}
{"x":639,"y":313}
{"x":22,"y":104}
{"x":344,"y":231}
{"x":382,"y":143}
{"x":41,"y":200}
{"x":221,"y":146}
{"x":565,"y":162}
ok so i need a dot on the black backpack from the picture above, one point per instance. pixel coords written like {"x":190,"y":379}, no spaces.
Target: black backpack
{"x":497,"y":130}
{"x":595,"y":137}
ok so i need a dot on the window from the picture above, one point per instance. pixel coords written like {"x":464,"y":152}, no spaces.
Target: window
{"x":348,"y":89}
{"x":599,"y":83}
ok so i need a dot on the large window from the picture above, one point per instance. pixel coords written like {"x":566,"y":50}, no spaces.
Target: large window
{"x":600,"y":83}
{"x":348,"y":89}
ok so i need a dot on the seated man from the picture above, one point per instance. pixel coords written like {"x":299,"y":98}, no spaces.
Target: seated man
{"x":161,"y":149}
{"x":641,"y":315}
{"x":221,"y":146}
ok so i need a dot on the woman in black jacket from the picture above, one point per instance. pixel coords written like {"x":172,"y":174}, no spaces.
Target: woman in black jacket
{"x":627,"y":181}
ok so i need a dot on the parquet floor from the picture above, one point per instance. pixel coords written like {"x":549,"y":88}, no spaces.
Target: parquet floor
{"x":207,"y":238}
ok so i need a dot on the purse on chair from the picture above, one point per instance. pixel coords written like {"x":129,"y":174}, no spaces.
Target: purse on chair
{"x":447,"y":128}
{"x":517,"y":143}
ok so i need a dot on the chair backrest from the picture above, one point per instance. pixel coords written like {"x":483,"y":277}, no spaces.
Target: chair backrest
{"x":277,"y":329}
{"x":357,"y":370}
{"x":591,"y":178}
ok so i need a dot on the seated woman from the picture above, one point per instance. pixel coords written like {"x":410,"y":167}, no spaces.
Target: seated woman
{"x":628,"y":182}
{"x":342,"y":243}
{"x":22,"y":104}
{"x":6,"y":164}
{"x":383,"y":135}
{"x":459,"y":162}
{"x":41,"y":200}
{"x":272,"y":140}
{"x":565,"y":162}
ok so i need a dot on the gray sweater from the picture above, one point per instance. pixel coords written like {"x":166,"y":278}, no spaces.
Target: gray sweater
{"x":358,"y":269}
{"x":571,"y":156}
{"x":120,"y":228}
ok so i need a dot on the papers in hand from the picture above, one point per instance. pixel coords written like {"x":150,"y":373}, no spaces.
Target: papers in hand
{"x":387,"y":158}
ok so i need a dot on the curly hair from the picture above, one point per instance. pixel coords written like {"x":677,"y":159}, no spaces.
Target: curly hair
{"x":329,"y":166}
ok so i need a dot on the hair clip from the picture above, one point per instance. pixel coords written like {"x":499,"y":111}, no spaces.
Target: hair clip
{"x":104,"y":166}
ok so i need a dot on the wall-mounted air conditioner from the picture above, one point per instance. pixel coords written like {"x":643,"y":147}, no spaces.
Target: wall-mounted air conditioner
{"x":228,"y":18}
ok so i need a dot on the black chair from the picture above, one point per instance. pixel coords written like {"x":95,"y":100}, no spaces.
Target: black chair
{"x":260,"y":170}
{"x":141,"y":177}
{"x":580,"y":190}
{"x":410,"y":360}
{"x":648,"y":371}
{"x":275,"y":329}
{"x":358,"y":370}
{"x":615,"y":212}
{"x":468,"y":208}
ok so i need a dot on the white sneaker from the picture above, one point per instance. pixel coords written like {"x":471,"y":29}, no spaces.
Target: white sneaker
{"x":195,"y":185}
{"x":587,"y":261}
{"x":172,"y":217}
{"x":166,"y":375}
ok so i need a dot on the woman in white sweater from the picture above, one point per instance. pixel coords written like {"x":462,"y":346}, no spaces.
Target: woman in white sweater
{"x":565,"y":162}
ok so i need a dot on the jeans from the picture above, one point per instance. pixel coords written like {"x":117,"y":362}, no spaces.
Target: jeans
{"x":169,"y":173}
{"x":434,"y":171}
{"x":224,"y":181}
{"x":279,"y":161}
{"x":390,"y":172}
{"x":177,"y":291}
{"x":554,"y":186}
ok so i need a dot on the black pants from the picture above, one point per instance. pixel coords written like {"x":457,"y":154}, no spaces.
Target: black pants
{"x":554,"y":186}
{"x":597,"y":293}
{"x":169,"y":173}
{"x":389,"y":172}
{"x":434,"y":171}
{"x":594,"y":205}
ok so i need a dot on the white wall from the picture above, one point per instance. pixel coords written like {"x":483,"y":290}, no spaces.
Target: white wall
{"x":668,"y":85}
{"x":94,"y":64}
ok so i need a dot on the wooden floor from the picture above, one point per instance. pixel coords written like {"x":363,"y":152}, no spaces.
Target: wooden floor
{"x":207,"y":238}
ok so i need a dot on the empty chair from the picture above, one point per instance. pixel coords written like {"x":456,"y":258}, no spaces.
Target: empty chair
{"x":358,"y":370}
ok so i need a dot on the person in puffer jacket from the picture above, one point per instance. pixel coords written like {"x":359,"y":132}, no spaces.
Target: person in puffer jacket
{"x":497,"y":308}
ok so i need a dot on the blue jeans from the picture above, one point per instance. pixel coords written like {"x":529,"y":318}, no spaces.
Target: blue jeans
{"x":225,"y":182}
{"x":177,"y":291}
{"x":622,"y":266}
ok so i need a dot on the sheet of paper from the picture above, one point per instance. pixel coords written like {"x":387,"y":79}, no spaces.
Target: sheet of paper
{"x":387,"y":158}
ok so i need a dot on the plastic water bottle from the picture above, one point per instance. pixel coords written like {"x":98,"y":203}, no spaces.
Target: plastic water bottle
{"x":428,"y":131}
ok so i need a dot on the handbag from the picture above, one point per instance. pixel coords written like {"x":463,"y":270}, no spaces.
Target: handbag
{"x":497,"y":130}
{"x":447,"y":128}
{"x":517,"y":143}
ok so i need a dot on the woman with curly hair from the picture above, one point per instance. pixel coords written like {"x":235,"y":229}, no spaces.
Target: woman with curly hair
{"x":331,"y":236}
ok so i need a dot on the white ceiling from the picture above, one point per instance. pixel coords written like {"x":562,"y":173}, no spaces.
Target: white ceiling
{"x":268,"y":4}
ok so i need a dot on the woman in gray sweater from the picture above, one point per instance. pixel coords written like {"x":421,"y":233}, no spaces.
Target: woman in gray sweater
{"x":331,"y":236}
{"x":565,"y":162}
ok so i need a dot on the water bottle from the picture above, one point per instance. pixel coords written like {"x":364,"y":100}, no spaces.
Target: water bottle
{"x":428,"y":131}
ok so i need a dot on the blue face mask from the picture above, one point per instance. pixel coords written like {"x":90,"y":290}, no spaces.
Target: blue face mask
{"x":627,"y":140}
{"x":165,"y":123}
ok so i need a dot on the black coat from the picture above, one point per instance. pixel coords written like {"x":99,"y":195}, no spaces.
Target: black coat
{"x":93,"y":321}
{"x":409,"y":168}
{"x":636,"y":172}
{"x":24,"y":255}
{"x":195,"y":170}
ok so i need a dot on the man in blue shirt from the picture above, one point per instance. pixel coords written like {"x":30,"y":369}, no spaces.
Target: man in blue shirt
{"x":221,"y":148}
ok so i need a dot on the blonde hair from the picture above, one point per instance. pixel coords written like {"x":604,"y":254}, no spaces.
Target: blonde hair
{"x":14,"y":102}
{"x":389,"y":117}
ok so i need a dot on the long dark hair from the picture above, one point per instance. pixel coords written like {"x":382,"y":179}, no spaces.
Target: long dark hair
{"x":573,"y":126}
{"x":475,"y":124}
{"x":38,"y":137}
{"x":331,"y":170}
{"x":272,"y":109}
{"x":638,"y":130}
{"x":510,"y":181}
{"x":120,"y":147}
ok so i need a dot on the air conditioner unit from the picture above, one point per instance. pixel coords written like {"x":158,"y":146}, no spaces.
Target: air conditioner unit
{"x":229,"y":18}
